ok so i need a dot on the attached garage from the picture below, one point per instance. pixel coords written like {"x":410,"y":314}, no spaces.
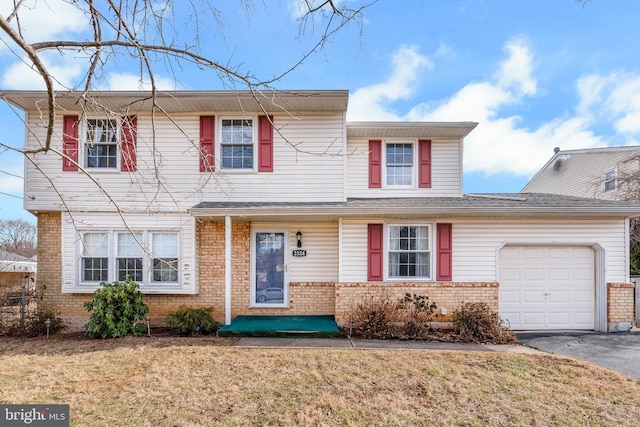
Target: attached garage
{"x":548,"y":287}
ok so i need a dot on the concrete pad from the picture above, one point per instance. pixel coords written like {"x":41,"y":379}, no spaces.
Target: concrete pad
{"x":264,"y":342}
{"x":322,"y":343}
{"x":381,"y":344}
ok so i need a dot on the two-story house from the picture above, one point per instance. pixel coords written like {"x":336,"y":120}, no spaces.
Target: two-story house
{"x":274,"y":204}
{"x":590,"y":172}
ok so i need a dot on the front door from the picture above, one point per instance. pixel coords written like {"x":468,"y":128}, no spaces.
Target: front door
{"x":269,"y":285}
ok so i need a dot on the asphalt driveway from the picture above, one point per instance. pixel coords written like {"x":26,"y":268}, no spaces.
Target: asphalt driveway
{"x":619,"y":351}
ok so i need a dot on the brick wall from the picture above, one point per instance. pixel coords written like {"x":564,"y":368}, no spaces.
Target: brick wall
{"x":620,"y":303}
{"x":448,"y":295}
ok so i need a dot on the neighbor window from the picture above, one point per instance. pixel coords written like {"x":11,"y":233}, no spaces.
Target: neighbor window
{"x":237,"y":143}
{"x":146,"y":257}
{"x":399,"y":164}
{"x":609,"y":180}
{"x":409,"y":253}
{"x":101,"y":143}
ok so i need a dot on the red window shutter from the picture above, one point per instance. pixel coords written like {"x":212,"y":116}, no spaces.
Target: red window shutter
{"x":444,"y":252}
{"x":128,"y":159}
{"x":265,"y":144}
{"x":207,"y":146}
{"x":424,"y":160}
{"x":375,"y":254}
{"x":70,"y":143}
{"x":375,"y":164}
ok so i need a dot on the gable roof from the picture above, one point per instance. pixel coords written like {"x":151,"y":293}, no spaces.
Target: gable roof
{"x":575,"y":172}
{"x":470,"y":205}
{"x":12,"y":262}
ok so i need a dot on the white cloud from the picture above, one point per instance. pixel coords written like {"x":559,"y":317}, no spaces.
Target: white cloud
{"x":23,"y":76}
{"x":130,"y":81}
{"x":500,"y":144}
{"x":371,"y":102}
{"x":42,"y":20}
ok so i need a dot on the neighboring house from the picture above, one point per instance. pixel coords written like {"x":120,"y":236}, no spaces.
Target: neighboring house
{"x":229,"y":198}
{"x":15,"y":268}
{"x":591,"y":172}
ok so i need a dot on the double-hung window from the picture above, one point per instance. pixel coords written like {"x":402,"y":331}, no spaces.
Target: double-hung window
{"x":94,"y":261}
{"x":101,"y":143}
{"x":609,"y":180}
{"x":147,"y":257}
{"x":399,"y":159}
{"x":409,"y":253}
{"x":237,"y":143}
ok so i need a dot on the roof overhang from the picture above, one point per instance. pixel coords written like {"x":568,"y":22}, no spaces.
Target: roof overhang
{"x":468,"y":206}
{"x":409,"y":129}
{"x":288,"y":101}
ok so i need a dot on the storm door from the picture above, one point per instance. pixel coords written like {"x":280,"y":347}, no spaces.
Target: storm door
{"x":269,"y":285}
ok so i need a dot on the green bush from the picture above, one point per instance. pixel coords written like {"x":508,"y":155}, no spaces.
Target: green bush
{"x":117,"y":310}
{"x":190,"y":321}
{"x":477,"y":322}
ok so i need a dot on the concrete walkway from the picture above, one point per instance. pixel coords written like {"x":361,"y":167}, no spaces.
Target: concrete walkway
{"x":362,"y":344}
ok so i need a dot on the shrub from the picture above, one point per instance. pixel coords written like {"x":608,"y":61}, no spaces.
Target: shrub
{"x":374,"y":317}
{"x":36,"y":323}
{"x":416,"y":315}
{"x":477,"y":322}
{"x":117,"y":309}
{"x":190,"y":321}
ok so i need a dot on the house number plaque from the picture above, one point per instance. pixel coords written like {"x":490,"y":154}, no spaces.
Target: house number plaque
{"x":299,"y":252}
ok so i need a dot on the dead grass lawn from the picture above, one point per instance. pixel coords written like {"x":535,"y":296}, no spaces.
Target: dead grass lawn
{"x":203,"y":381}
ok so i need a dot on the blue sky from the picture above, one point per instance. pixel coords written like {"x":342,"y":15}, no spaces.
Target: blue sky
{"x":534,"y":74}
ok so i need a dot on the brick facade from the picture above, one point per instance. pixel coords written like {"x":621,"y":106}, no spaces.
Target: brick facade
{"x":447,"y":295}
{"x":620,"y":303}
{"x":313,"y":298}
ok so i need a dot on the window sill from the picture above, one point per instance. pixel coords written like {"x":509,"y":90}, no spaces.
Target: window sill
{"x":147,"y":290}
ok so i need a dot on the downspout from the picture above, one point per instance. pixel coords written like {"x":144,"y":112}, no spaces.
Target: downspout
{"x":227,"y":270}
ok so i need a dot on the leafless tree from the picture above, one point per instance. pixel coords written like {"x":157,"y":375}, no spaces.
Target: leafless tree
{"x":147,"y":32}
{"x":18,"y":236}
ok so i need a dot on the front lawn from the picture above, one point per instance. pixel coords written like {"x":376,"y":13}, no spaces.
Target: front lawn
{"x":203,"y":381}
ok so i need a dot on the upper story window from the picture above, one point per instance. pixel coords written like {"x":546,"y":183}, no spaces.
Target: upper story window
{"x":237,"y":143}
{"x":399,"y":168}
{"x":101,"y":143}
{"x":609,"y":180}
{"x":409,"y":253}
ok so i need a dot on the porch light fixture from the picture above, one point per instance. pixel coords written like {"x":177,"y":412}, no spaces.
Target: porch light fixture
{"x":299,"y":238}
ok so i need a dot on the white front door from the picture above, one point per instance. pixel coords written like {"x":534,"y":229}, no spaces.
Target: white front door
{"x":547,"y":287}
{"x":269,"y":281}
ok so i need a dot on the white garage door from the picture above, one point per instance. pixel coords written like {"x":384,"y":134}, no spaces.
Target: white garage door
{"x":547,"y":287}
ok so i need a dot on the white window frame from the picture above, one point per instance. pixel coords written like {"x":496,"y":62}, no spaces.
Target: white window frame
{"x":414,"y":169}
{"x":85,"y":143}
{"x":147,"y":282}
{"x":219,"y":143}
{"x":606,"y":179}
{"x":387,"y":250}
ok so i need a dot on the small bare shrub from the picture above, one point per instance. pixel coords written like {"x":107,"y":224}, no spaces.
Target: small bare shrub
{"x":374,"y":317}
{"x":416,"y":315}
{"x":477,"y":322}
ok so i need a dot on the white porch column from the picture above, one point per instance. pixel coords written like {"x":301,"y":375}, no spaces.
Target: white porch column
{"x":227,"y":270}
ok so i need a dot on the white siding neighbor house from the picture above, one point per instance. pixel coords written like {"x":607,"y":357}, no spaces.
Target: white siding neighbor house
{"x":274,"y":204}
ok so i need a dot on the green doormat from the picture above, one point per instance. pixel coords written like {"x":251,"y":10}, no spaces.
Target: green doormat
{"x":281,"y":326}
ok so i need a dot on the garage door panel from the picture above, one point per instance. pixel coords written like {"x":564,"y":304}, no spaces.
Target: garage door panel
{"x":559,"y":297}
{"x":555,"y":286}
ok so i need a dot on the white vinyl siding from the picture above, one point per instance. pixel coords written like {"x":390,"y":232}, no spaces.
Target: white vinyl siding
{"x":312,"y":171}
{"x":320,"y":240}
{"x":476,"y":244}
{"x":445,"y":171}
{"x":181,"y":229}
